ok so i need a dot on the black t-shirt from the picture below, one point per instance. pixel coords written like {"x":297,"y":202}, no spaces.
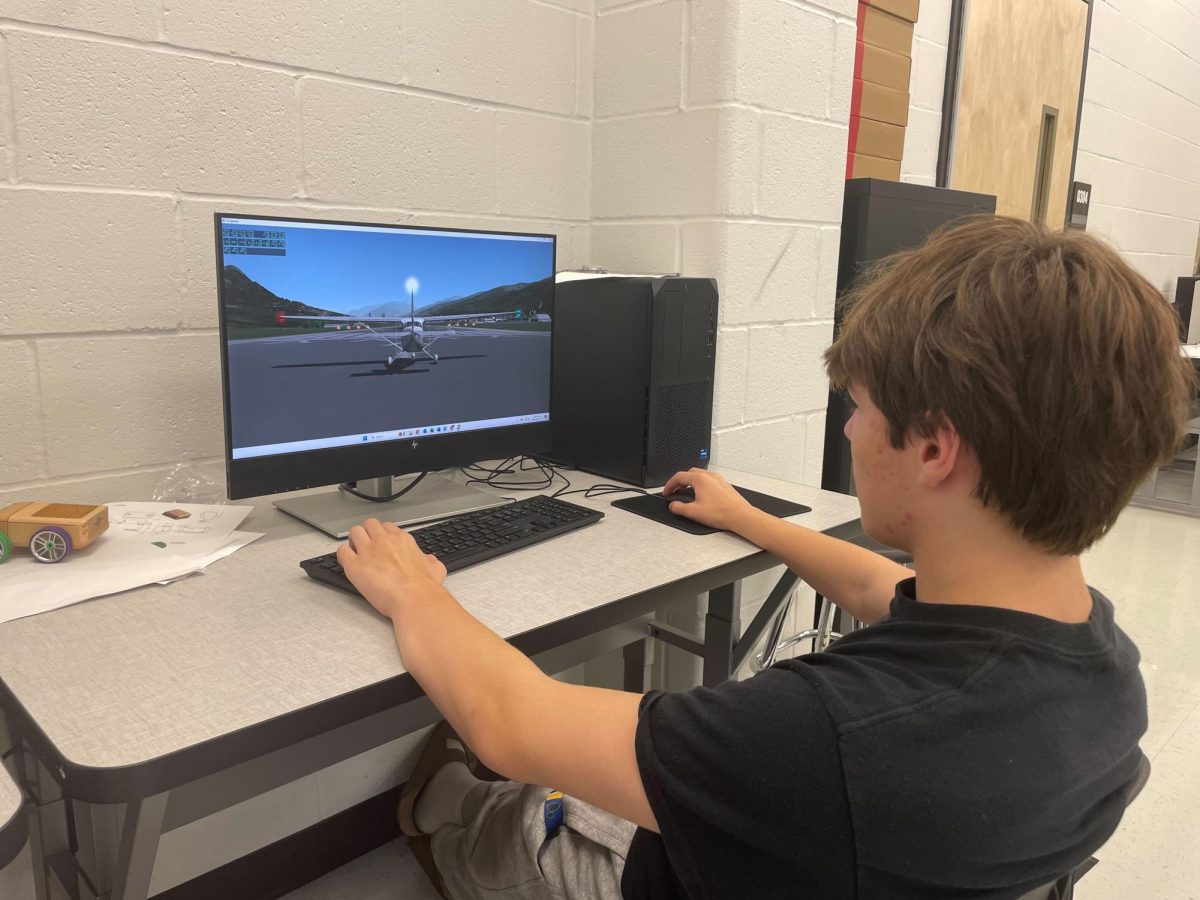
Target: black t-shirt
{"x":943,"y":752}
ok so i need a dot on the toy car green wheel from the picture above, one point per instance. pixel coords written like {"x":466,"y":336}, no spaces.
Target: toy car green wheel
{"x":50,"y":545}
{"x":5,"y":547}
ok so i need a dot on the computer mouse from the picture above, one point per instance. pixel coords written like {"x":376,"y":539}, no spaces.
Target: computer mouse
{"x":683,"y":495}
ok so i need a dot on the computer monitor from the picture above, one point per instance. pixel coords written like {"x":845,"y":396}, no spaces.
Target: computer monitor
{"x":357,"y":351}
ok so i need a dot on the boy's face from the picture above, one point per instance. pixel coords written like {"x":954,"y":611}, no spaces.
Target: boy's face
{"x":884,"y":477}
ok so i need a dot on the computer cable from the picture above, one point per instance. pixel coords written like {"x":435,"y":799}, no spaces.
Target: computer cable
{"x":400,"y":493}
{"x":503,"y":467}
{"x":499,"y":476}
{"x":599,"y":490}
{"x":547,"y":474}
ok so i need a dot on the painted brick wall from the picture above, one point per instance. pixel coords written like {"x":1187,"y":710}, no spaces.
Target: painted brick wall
{"x":124,"y":125}
{"x":719,"y":150}
{"x":926,"y":87}
{"x":717,"y":133}
{"x":1139,"y":144}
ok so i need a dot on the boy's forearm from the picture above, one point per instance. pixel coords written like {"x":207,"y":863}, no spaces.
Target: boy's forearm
{"x":523,"y":724}
{"x":466,"y":670}
{"x":857,"y":580}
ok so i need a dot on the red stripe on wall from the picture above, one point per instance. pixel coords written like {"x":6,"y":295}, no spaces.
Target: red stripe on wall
{"x":855,"y":108}
{"x":854,"y":120}
{"x":856,"y":91}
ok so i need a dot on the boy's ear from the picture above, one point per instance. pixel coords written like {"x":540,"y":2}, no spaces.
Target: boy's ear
{"x":938,"y":454}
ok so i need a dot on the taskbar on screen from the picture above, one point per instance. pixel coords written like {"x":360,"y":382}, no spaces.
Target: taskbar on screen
{"x":393,"y":435}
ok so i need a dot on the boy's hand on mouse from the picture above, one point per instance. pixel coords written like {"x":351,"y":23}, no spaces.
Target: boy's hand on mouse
{"x":386,"y":565}
{"x":717,"y":504}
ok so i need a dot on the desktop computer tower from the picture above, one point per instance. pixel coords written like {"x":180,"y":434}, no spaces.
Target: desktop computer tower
{"x":633,"y":361}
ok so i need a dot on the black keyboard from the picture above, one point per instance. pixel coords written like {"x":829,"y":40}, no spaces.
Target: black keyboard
{"x":478,"y":536}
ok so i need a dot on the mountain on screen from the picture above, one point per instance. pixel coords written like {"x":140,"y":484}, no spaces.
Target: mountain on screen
{"x":529,"y":296}
{"x":249,"y":303}
{"x":391,"y":308}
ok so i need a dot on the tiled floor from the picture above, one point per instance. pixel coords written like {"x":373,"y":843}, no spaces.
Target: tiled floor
{"x":1149,"y":565}
{"x":389,"y":873}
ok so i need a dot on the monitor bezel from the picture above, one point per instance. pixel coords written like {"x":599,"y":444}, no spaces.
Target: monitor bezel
{"x":283,"y":472}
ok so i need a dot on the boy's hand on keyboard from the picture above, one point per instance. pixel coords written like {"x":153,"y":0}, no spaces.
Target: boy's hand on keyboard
{"x":386,"y":565}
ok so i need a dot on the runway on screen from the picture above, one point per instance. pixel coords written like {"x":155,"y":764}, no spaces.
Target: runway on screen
{"x":306,"y":386}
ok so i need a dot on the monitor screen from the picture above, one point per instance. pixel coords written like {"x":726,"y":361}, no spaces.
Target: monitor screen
{"x":340,"y":337}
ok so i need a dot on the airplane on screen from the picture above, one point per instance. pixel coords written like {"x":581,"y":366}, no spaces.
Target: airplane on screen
{"x":409,"y":344}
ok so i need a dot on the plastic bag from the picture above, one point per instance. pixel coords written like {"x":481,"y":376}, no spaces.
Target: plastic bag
{"x":191,"y":483}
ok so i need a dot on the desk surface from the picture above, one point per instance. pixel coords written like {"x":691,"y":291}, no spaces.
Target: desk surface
{"x":1192,"y":350}
{"x":121,"y":680}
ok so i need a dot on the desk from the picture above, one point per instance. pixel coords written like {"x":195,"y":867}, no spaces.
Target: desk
{"x":150,"y":709}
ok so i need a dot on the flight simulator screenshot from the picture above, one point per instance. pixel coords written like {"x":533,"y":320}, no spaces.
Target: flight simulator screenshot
{"x":339,"y":334}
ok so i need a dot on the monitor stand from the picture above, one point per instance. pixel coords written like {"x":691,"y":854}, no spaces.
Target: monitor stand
{"x":436,"y":497}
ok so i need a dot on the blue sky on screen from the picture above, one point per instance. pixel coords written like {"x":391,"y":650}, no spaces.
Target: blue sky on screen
{"x":348,"y":270}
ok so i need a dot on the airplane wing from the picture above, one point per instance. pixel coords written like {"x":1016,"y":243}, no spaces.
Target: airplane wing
{"x":281,"y":318}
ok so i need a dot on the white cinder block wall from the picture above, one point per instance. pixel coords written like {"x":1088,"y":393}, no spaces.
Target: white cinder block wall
{"x":719,"y":149}
{"x":699,"y":135}
{"x":125,"y":125}
{"x":926,"y":85}
{"x":1139,"y":143}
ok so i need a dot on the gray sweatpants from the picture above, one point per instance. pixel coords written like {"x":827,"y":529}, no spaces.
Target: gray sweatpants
{"x":503,"y":850}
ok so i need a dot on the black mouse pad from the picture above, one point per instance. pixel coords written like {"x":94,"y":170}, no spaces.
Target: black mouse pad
{"x":652,"y":506}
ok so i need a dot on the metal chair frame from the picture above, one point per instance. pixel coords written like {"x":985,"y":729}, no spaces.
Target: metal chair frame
{"x":822,"y":636}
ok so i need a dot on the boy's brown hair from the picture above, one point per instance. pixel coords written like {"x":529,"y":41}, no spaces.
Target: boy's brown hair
{"x":1053,"y":359}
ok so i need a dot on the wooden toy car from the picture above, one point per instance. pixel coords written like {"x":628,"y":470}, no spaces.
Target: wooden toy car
{"x":50,"y":530}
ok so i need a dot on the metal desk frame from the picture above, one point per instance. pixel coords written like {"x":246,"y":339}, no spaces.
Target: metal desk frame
{"x":1146,"y":497}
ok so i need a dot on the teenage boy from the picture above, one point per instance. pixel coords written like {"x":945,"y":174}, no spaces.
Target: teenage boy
{"x":1013,"y":387}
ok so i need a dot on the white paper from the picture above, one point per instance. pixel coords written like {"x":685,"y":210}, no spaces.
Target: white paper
{"x":179,"y":525}
{"x":237,"y":541}
{"x":141,"y":546}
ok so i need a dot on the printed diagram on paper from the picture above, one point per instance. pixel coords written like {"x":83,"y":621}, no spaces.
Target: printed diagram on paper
{"x":178,"y":525}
